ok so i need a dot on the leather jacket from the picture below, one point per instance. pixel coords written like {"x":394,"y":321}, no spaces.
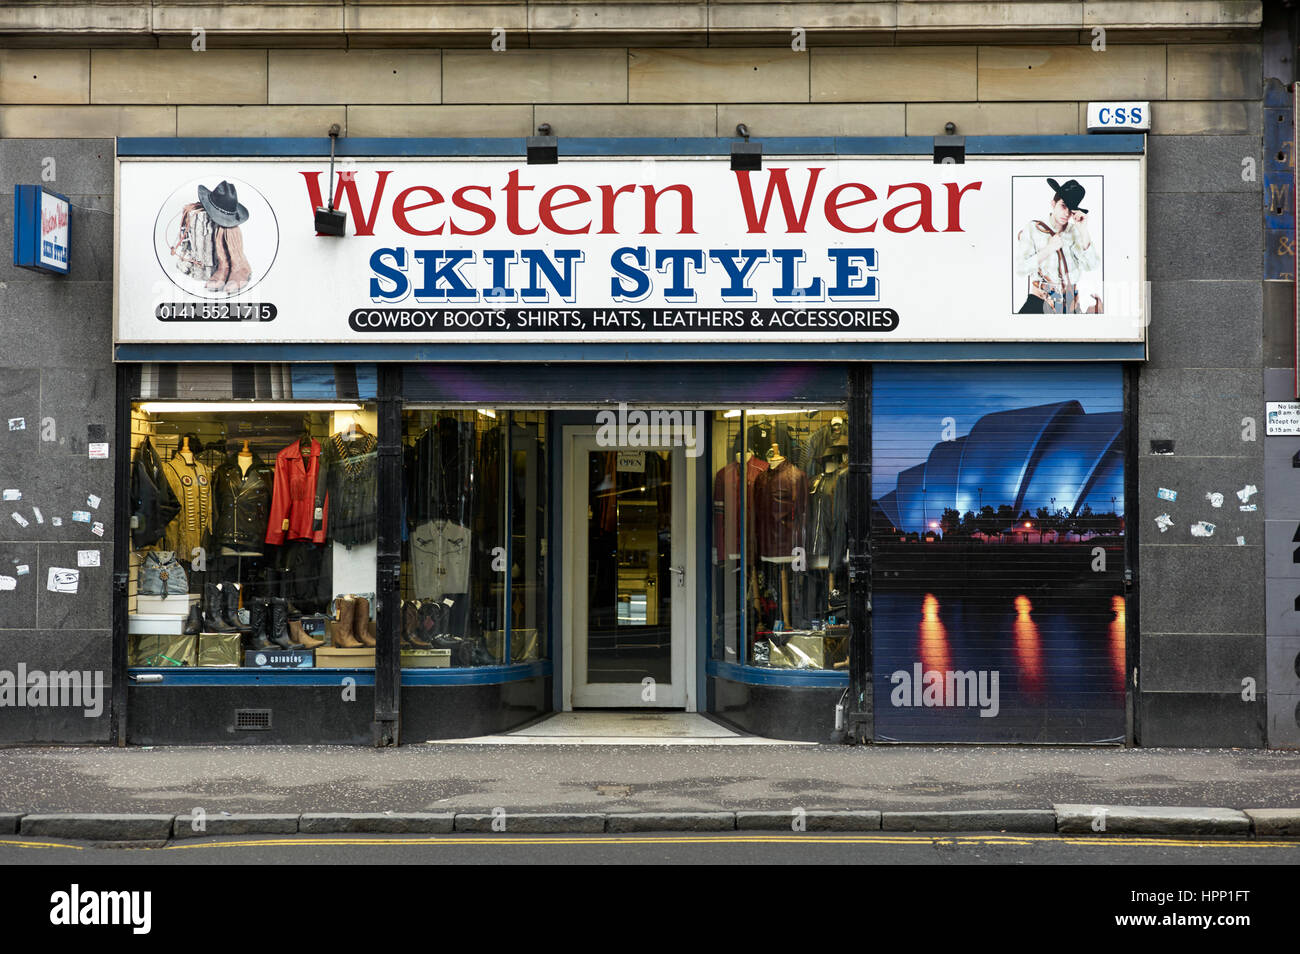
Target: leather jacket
{"x":242,"y":503}
{"x":153,"y":504}
{"x":348,"y":488}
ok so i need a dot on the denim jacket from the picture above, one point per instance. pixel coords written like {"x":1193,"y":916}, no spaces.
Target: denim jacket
{"x":162,"y":575}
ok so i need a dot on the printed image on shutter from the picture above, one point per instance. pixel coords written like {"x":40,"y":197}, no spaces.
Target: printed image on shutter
{"x":998,"y":608}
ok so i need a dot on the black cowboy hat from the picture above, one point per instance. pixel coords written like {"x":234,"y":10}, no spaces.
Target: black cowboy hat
{"x":222,"y":205}
{"x":1071,"y":193}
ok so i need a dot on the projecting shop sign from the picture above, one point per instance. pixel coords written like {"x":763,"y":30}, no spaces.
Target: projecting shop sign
{"x":681,"y":250}
{"x":40,"y":229}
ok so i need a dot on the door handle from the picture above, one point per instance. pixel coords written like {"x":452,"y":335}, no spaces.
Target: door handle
{"x":680,"y":573}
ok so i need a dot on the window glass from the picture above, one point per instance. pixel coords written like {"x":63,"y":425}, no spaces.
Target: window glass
{"x":253,"y":534}
{"x":530,"y":482}
{"x":780,"y":549}
{"x":474,"y":567}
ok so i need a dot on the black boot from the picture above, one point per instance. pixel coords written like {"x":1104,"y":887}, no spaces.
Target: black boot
{"x":257,"y":623}
{"x":286,"y":581}
{"x":212,"y":621}
{"x":280,"y":624}
{"x":230,"y":606}
{"x":194,"y":622}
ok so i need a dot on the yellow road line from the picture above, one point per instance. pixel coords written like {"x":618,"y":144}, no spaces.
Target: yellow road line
{"x":38,"y":844}
{"x":757,"y":839}
{"x":1087,"y":841}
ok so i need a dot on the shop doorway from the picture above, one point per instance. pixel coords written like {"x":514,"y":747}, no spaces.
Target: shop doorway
{"x":629,"y":574}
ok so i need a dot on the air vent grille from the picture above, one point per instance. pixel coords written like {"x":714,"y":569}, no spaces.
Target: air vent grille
{"x":252,"y":719}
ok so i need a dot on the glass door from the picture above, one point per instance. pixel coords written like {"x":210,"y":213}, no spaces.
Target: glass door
{"x":628,"y":576}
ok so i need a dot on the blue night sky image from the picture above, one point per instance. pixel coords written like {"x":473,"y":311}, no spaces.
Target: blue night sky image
{"x":1024,"y":435}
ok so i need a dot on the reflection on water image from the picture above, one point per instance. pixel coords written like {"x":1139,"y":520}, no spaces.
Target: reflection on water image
{"x":1058,"y":661}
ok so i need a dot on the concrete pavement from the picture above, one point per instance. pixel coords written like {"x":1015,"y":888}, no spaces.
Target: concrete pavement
{"x":905,"y":784}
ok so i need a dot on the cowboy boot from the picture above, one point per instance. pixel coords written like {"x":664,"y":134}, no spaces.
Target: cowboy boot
{"x":299,"y":636}
{"x":230,"y":593}
{"x":194,"y":622}
{"x":257,"y":620}
{"x":220,"y":254}
{"x":345,"y":609}
{"x":410,"y":625}
{"x":361,"y":624}
{"x":430,"y":616}
{"x":280,"y":625}
{"x":212,"y":621}
{"x":241,"y":273}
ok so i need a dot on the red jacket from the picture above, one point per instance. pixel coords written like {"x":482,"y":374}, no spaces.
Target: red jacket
{"x":293,"y":497}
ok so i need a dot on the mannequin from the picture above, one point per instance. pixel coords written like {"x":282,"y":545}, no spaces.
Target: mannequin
{"x":191,"y":482}
{"x":825,"y":510}
{"x":780,"y":512}
{"x":348,"y":487}
{"x":242,"y":500}
{"x":821,"y":440}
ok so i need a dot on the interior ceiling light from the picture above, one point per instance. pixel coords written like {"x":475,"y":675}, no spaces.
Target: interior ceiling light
{"x":201,"y":407}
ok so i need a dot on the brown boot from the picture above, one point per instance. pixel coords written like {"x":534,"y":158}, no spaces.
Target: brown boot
{"x":362,"y":628}
{"x":411,"y":626}
{"x":220,"y":255}
{"x":240,"y":271}
{"x":346,"y":609}
{"x":298,"y":635}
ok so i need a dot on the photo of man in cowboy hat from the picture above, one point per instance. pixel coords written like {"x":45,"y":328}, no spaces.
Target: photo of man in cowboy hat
{"x":1055,"y":253}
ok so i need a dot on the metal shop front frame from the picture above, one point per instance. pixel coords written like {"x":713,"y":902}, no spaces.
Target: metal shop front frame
{"x":393,"y":704}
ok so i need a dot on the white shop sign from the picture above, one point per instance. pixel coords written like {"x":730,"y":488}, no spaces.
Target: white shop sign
{"x":1126,"y":116}
{"x":1283,"y":418}
{"x":623,"y":250}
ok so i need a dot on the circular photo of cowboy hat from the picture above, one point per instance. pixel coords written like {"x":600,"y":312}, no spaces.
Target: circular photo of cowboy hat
{"x":216,"y":237}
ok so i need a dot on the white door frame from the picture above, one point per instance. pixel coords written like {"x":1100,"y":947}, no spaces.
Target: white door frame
{"x":577,"y":442}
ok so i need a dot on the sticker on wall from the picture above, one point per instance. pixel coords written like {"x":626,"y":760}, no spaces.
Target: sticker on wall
{"x":1248,"y":508}
{"x":56,"y":521}
{"x":17,"y":424}
{"x":36,"y":512}
{"x":1164,"y":493}
{"x":19,"y":519}
{"x":93,"y":502}
{"x":1241,"y":541}
{"x":1202,"y":529}
{"x":13,"y":495}
{"x":97,"y":529}
{"x":8,"y":583}
{"x":81,"y":516}
{"x":1216,"y":500}
{"x":98,"y":451}
{"x":1245,"y":493}
{"x":22,"y":569}
{"x":1164,"y":522}
{"x":87,"y":558}
{"x":62,"y":580}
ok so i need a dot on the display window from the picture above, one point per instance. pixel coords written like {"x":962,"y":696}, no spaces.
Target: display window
{"x":474,"y":566}
{"x":253,"y":534}
{"x":779,"y":538}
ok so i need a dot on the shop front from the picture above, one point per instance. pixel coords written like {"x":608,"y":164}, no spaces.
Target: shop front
{"x":837,"y":447}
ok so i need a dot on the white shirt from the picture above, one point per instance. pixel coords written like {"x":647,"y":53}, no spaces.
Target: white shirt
{"x":1031,"y":240}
